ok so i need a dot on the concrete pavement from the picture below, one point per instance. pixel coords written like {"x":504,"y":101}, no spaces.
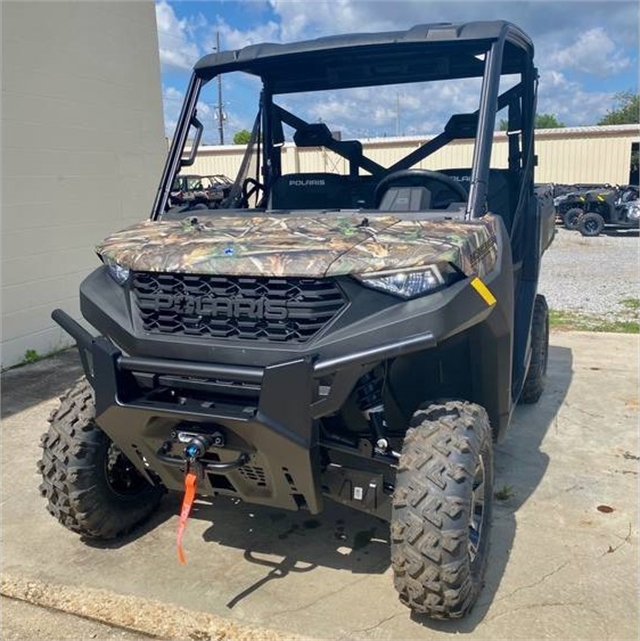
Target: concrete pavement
{"x":564,"y":551}
{"x":22,"y":620}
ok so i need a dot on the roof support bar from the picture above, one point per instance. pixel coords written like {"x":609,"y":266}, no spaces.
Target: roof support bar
{"x":486,"y":122}
{"x":172,"y":165}
{"x":450,"y":134}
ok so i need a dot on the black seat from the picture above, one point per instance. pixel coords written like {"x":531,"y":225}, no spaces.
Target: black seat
{"x":406,"y":198}
{"x":501,"y":196}
{"x":311,"y":191}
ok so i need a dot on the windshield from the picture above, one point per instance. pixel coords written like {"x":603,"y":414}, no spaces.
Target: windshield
{"x":331,"y":149}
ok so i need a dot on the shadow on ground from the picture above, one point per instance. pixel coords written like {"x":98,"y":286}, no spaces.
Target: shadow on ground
{"x":621,"y":233}
{"x":340,"y":538}
{"x":337,"y":538}
{"x":23,"y":387}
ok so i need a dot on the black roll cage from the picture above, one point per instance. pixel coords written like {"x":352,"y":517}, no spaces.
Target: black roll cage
{"x":426,"y":52}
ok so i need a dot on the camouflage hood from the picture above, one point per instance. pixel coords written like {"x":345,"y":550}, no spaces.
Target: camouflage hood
{"x":327,"y":245}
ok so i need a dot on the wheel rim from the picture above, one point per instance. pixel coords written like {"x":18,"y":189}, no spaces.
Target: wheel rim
{"x":122,"y":476}
{"x":591,"y":225}
{"x":476,"y":517}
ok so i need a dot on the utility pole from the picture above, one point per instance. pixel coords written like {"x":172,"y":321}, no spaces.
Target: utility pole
{"x":397,"y":114}
{"x":220,"y":114}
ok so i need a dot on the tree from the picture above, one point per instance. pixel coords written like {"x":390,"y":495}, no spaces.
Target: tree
{"x":626,"y":112}
{"x":548,"y":121}
{"x":543,"y":121}
{"x":242,"y":137}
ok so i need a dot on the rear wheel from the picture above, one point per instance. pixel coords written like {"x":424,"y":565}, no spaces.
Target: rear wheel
{"x":91,"y":487}
{"x":570,"y":217}
{"x":442,"y":509}
{"x":537,"y":373}
{"x":591,"y":224}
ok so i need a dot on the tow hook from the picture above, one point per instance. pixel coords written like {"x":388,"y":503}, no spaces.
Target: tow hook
{"x":198,"y":444}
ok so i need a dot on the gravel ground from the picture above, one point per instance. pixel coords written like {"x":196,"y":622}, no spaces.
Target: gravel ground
{"x":591,"y":275}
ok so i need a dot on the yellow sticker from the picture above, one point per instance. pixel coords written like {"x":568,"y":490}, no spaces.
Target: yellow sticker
{"x":484,"y":291}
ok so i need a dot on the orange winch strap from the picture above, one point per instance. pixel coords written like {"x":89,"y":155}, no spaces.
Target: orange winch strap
{"x":190,"y":481}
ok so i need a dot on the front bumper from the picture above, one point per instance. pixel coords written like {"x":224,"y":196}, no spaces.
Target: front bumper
{"x":268,"y":416}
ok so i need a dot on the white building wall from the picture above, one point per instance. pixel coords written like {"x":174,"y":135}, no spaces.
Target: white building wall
{"x":82,"y":151}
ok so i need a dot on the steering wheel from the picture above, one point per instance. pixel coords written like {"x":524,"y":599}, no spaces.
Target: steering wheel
{"x":250,"y":188}
{"x":419,"y":177}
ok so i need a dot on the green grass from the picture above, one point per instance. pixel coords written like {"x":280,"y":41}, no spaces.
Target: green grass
{"x":631,"y":303}
{"x":561,"y":320}
{"x":31,"y":356}
{"x":504,"y":493}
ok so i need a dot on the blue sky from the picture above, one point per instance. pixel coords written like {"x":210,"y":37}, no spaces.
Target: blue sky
{"x":586,"y":52}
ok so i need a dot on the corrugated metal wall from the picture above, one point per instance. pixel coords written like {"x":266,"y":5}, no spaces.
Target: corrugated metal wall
{"x":569,"y":155}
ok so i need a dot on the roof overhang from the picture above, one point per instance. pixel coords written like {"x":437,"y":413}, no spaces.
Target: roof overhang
{"x":422,"y":53}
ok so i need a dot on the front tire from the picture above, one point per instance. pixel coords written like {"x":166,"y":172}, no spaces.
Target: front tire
{"x":536,"y":379}
{"x":90,"y":486}
{"x":442,"y":509}
{"x":591,"y":224}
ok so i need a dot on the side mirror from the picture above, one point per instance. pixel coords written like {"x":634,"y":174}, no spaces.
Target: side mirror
{"x":191,"y":158}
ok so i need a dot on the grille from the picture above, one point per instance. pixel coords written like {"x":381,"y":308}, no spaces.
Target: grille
{"x":254,"y":474}
{"x":273,"y":309}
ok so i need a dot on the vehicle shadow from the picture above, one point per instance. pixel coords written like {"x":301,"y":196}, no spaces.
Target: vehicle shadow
{"x":340,"y":538}
{"x":520,"y":465}
{"x":621,"y":233}
{"x":169,"y":507}
{"x":612,"y":232}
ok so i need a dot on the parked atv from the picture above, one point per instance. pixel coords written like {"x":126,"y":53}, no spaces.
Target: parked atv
{"x":200,"y":191}
{"x":608,"y":207}
{"x":572,"y":204}
{"x":362,"y":337}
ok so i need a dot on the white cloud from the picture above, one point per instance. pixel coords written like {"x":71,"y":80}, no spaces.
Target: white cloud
{"x":417,"y":109}
{"x":569,"y":101}
{"x":592,"y":52}
{"x":175,"y":38}
{"x":322,"y":17}
{"x":232,"y":38}
{"x":171,"y":93}
{"x":171,"y":102}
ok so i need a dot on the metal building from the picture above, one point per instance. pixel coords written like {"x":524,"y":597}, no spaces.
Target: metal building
{"x":566,"y":155}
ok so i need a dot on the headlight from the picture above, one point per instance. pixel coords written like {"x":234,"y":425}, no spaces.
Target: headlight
{"x":410,"y":283}
{"x":119,"y":273}
{"x":633,"y":211}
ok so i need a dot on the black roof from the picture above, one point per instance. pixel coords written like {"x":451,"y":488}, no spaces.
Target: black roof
{"x":424,"y":52}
